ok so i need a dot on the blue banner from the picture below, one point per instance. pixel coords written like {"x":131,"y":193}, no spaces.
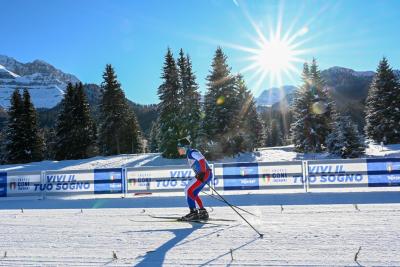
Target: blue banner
{"x":108,"y":181}
{"x":241,"y":176}
{"x":383,"y":172}
{"x":3,"y":184}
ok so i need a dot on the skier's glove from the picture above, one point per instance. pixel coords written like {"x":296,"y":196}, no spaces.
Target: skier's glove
{"x":200,"y":176}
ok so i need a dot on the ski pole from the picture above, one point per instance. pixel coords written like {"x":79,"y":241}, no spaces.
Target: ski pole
{"x":239,"y":208}
{"x":226,"y":202}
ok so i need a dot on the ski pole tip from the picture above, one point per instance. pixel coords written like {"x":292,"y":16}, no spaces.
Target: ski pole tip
{"x":261,"y":236}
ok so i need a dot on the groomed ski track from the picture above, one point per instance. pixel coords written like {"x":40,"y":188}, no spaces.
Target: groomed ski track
{"x":320,"y":229}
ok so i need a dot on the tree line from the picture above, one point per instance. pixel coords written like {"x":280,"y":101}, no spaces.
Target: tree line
{"x":224,"y":123}
{"x":76,"y":135}
{"x":318,"y":126}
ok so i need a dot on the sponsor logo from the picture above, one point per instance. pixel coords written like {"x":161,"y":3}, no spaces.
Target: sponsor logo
{"x":20,"y":184}
{"x":266,"y":178}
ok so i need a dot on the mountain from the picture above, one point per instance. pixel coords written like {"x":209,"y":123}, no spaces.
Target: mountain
{"x":45,"y":83}
{"x":273,"y":95}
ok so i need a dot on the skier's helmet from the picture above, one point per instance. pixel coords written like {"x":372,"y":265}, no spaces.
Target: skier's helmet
{"x":184,"y":143}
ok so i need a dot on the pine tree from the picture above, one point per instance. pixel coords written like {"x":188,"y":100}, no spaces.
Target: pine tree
{"x":276,"y":134}
{"x":154,"y":137}
{"x":169,"y":108}
{"x":84,"y":130}
{"x":301,"y":127}
{"x":32,"y":137}
{"x":119,"y":131}
{"x":312,"y":110}
{"x":383,"y":106}
{"x":345,"y":139}
{"x":64,"y":148}
{"x":189,"y":99}
{"x":15,"y":144}
{"x":220,"y":107}
{"x":75,"y":130}
{"x":250,"y":127}
{"x":133,"y":134}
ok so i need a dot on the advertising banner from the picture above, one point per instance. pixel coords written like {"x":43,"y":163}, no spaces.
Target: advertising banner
{"x":281,"y":174}
{"x":3,"y":184}
{"x":67,"y":182}
{"x":23,"y":184}
{"x":240,"y":176}
{"x":153,"y":179}
{"x":108,"y":181}
{"x":336,"y":173}
{"x":383,"y":172}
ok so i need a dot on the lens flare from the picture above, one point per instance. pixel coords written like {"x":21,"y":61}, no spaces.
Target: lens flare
{"x":220,"y":100}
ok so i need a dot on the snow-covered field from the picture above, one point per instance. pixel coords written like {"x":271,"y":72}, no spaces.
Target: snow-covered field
{"x":329,"y":229}
{"x":119,"y":232}
{"x":272,"y":154}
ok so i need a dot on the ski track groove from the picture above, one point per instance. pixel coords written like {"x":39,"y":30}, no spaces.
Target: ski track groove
{"x":300,"y":236}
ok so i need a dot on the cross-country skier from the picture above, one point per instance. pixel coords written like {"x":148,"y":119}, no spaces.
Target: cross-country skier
{"x":203,"y":175}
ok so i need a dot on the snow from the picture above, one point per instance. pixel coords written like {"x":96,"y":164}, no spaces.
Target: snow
{"x":88,"y":232}
{"x":46,"y":84}
{"x":299,"y":228}
{"x":271,"y":154}
{"x":4,"y":70}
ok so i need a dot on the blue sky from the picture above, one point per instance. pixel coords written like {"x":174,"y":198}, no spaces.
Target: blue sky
{"x":80,"y":37}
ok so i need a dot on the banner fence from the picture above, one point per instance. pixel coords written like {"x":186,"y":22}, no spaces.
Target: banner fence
{"x":297,"y":176}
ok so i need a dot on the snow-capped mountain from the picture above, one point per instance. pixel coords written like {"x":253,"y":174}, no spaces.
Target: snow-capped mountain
{"x":45,"y":83}
{"x":273,"y":95}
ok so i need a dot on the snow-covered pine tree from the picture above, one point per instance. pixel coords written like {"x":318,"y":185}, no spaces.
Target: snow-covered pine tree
{"x":32,"y":136}
{"x":250,"y":127}
{"x":312,"y":110}
{"x":14,"y":141}
{"x":189,"y":99}
{"x":169,"y":108}
{"x":383,"y":106}
{"x":119,"y":131}
{"x":345,"y":139}
{"x":302,"y":134}
{"x":321,"y":108}
{"x":220,"y":107}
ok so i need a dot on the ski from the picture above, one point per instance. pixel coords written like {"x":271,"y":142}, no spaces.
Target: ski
{"x":180,"y":221}
{"x":178,"y":218}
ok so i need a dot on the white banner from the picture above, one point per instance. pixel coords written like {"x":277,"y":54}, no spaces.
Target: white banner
{"x":64,"y":181}
{"x":280,"y":174}
{"x":169,"y":178}
{"x":19,"y":184}
{"x":337,"y":172}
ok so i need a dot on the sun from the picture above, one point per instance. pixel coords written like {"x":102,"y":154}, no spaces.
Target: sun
{"x":274,"y":56}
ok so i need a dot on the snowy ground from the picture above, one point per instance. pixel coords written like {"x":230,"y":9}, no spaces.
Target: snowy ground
{"x":300,"y":228}
{"x":87,"y":232}
{"x":272,"y":154}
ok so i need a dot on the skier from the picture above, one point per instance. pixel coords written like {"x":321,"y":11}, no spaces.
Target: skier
{"x":203,"y":175}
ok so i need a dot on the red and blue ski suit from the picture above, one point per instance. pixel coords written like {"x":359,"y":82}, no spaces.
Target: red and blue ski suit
{"x":199,"y":165}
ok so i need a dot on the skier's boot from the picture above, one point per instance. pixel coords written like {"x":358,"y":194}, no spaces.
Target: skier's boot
{"x":203,"y":214}
{"x":192,"y":215}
